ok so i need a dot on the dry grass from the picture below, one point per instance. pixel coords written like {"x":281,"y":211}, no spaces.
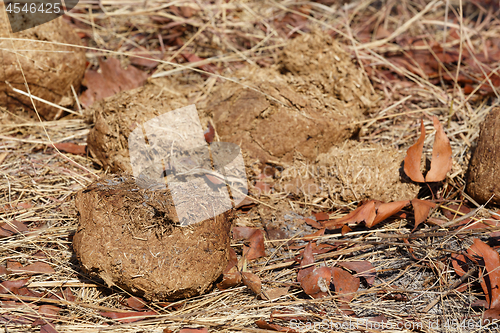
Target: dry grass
{"x":229,"y":36}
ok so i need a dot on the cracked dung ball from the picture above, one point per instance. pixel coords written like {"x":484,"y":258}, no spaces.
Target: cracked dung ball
{"x":129,"y":236}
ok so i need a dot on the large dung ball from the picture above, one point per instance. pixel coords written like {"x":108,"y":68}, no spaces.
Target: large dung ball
{"x":50,"y":68}
{"x":129,"y":236}
{"x":484,"y":167}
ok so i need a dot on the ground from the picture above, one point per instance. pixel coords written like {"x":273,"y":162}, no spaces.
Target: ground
{"x":418,"y":59}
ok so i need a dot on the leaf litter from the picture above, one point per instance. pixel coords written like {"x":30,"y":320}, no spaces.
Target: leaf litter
{"x":379,"y":244}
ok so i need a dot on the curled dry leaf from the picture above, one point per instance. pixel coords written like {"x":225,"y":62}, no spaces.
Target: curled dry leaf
{"x":321,"y":216}
{"x":345,"y":284}
{"x":252,"y":281}
{"x":233,"y":260}
{"x":313,"y":223}
{"x":364,"y":213}
{"x":441,"y":155}
{"x":47,"y":314}
{"x":255,"y":237}
{"x":307,"y":259}
{"x":490,"y":277}
{"x":230,"y":280}
{"x":362,"y":268}
{"x":414,"y":157}
{"x":317,"y":283}
{"x":128,"y":317}
{"x":421,"y":209}
{"x":385,"y":210}
{"x":371,"y":213}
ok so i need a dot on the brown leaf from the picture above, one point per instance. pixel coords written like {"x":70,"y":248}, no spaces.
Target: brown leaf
{"x":414,"y":157}
{"x":72,"y":148}
{"x":128,"y":317}
{"x":313,"y":223}
{"x":214,"y":180}
{"x":255,"y":237}
{"x":321,"y":216}
{"x":385,"y":210}
{"x":230,"y":280}
{"x":307,"y":259}
{"x":441,"y":155}
{"x":233,"y":260}
{"x":252,"y":281}
{"x":7,"y":287}
{"x":68,"y":295}
{"x":111,"y":80}
{"x":345,"y":284}
{"x":364,"y":213}
{"x":317,"y":283}
{"x":35,"y":268}
{"x":136,"y":303}
{"x":275,"y":293}
{"x":13,"y":228}
{"x":345,"y":229}
{"x":273,"y":327}
{"x":362,"y":268}
{"x":421,"y":209}
{"x":490,"y":316}
{"x":490,"y":278}
{"x":263,"y":188}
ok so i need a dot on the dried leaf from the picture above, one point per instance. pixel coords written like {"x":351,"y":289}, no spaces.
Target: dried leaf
{"x":385,"y":210}
{"x":345,"y":284}
{"x":111,"y":80}
{"x":307,"y":259}
{"x":129,"y":317}
{"x":233,"y":260}
{"x":252,"y":281}
{"x":490,"y":279}
{"x":275,"y":293}
{"x":345,"y":229}
{"x":136,"y":303}
{"x":35,"y":268}
{"x":313,"y":223}
{"x":490,"y":316}
{"x":230,"y":280}
{"x":365,"y":213}
{"x":441,"y":155}
{"x":263,"y":188}
{"x":273,"y":327}
{"x":362,"y":268}
{"x":421,"y":209}
{"x":321,"y":216}
{"x":13,"y":228}
{"x":72,"y":148}
{"x":414,"y":157}
{"x":146,"y":60}
{"x":7,"y":287}
{"x":255,"y":237}
{"x":317,"y":283}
